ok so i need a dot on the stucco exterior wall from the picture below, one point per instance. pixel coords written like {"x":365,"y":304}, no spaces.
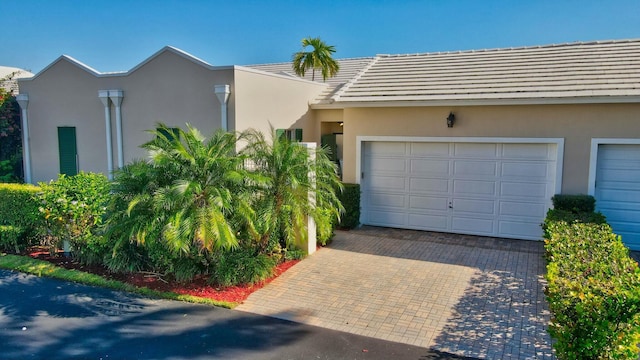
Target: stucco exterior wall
{"x":577,"y":124}
{"x":263,"y":98}
{"x":168,"y":88}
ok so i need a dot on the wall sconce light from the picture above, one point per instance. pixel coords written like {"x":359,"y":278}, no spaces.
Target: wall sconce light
{"x":341,"y":123}
{"x":451,"y":119}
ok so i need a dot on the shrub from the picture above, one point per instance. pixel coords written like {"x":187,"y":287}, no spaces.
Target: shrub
{"x":593,"y":288}
{"x":242,"y":266}
{"x":73,"y":208}
{"x":19,"y":213}
{"x":10,"y":237}
{"x":574,"y":203}
{"x":350,"y":198}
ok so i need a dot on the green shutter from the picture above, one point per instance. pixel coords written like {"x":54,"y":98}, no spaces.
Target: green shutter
{"x":68,"y":151}
{"x":298,"y":134}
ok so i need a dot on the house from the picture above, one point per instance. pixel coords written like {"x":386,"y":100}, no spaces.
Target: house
{"x":471,"y":142}
{"x":9,"y":76}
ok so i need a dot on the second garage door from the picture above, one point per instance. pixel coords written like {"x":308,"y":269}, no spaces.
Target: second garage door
{"x":490,"y":189}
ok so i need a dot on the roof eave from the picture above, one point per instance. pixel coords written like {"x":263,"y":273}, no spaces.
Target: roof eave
{"x":480,"y":102}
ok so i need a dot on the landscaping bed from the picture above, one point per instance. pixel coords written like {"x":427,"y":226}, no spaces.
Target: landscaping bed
{"x":198,"y":287}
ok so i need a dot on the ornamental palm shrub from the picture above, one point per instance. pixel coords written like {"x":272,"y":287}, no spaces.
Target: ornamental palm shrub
{"x":190,"y":196}
{"x":281,"y":199}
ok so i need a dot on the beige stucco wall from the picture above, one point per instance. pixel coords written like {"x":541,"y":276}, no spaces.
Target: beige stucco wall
{"x":577,"y":124}
{"x":168,"y":88}
{"x":263,"y":98}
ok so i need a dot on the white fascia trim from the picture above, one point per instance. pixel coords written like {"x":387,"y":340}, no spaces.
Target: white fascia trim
{"x":483,"y":102}
{"x":559,"y":142}
{"x":593,"y":157}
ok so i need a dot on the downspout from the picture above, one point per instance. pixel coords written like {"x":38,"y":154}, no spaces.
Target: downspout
{"x":104,"y":97}
{"x":23,"y":101}
{"x":222,"y":92}
{"x":116,"y":97}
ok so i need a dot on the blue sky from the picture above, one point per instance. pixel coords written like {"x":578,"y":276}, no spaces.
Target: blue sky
{"x":115,"y":35}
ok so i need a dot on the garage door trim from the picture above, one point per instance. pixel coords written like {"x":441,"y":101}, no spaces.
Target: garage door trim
{"x":593,"y":159}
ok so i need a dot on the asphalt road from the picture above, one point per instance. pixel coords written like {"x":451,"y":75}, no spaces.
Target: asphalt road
{"x":43,"y":318}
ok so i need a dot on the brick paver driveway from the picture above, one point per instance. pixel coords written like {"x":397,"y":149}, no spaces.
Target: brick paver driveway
{"x":465,"y":295}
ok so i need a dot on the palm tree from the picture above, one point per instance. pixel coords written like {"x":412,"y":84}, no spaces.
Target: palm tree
{"x":189,"y":195}
{"x":281,"y":204}
{"x":320,"y":58}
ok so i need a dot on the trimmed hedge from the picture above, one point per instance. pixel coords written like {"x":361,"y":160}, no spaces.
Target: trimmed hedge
{"x":574,"y":203}
{"x":350,"y":198}
{"x":19,"y":216}
{"x":593,"y":287}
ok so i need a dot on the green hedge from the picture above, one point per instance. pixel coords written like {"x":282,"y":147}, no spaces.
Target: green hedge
{"x":19,"y":216}
{"x":574,"y":203}
{"x":350,"y":198}
{"x":593,"y":288}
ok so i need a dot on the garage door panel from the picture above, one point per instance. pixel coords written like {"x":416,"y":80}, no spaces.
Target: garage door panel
{"x":473,"y":169}
{"x":528,"y":151}
{"x":619,"y":185}
{"x":429,"y":203}
{"x":386,"y":148}
{"x":485,"y":207}
{"x":386,"y":200}
{"x":527,"y":170}
{"x":428,"y":221}
{"x":385,"y":183}
{"x":520,"y":229}
{"x":622,"y":217}
{"x":387,"y":218}
{"x":522,"y":209}
{"x":524,"y":190}
{"x":475,"y":150}
{"x":472,"y":225}
{"x":474,"y":187}
{"x":617,"y":174}
{"x":385,"y":164}
{"x":618,"y":195}
{"x":426,"y":185}
{"x":430,"y":167}
{"x":626,"y":229}
{"x":429,"y":149}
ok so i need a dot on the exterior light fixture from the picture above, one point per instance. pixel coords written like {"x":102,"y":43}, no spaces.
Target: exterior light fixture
{"x":451,"y":119}
{"x":341,"y":123}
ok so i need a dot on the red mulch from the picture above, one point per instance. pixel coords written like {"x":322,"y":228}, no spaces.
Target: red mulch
{"x":197,"y":287}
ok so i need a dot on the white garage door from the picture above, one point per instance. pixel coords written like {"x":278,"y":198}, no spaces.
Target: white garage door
{"x":618,"y":190}
{"x":490,"y":189}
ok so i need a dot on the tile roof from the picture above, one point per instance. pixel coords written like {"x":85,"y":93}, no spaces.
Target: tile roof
{"x":348,"y":69}
{"x":584,"y":70}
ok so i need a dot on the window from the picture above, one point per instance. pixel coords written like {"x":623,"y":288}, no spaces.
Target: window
{"x":291,"y":134}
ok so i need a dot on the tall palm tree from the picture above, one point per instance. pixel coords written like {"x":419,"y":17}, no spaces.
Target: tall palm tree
{"x":319,"y":58}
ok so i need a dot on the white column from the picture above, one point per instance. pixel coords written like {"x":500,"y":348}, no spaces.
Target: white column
{"x":104,"y":97}
{"x":116,"y":97}
{"x":310,"y":246}
{"x":23,"y":101}
{"x":222,"y":92}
